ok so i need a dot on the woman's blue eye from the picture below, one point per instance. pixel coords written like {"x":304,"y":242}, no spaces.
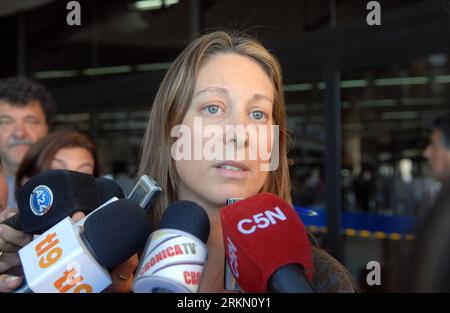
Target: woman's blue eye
{"x":258,"y":115}
{"x":212,"y":109}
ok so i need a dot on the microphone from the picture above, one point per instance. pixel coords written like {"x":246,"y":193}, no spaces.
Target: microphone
{"x":266,"y":245}
{"x":229,"y":282}
{"x":145,"y":192}
{"x":107,"y":189}
{"x":175,"y":254}
{"x":56,"y":194}
{"x":72,"y":259}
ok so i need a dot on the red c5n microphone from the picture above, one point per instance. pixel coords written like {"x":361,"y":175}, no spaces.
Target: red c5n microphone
{"x":266,"y":245}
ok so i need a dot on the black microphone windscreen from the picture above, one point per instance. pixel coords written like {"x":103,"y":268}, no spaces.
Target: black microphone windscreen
{"x":117,"y":231}
{"x":107,"y":189}
{"x":13,"y":221}
{"x":186,"y":216}
{"x":52,"y":195}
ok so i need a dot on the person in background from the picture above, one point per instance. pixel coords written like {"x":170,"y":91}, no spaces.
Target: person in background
{"x":67,"y":150}
{"x":428,"y":256}
{"x":437,"y":152}
{"x":60,"y":150}
{"x":26,"y":109}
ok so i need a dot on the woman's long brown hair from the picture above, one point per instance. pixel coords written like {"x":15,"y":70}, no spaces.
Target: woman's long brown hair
{"x":175,"y":95}
{"x":172,"y":101}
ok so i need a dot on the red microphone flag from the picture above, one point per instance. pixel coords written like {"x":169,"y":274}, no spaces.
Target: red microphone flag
{"x":261,"y":234}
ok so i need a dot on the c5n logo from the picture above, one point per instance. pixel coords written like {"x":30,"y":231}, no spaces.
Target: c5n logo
{"x":74,"y":16}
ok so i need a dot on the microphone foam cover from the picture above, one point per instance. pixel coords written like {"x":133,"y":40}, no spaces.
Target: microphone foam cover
{"x":107,"y":189}
{"x":51,"y":196}
{"x":261,"y":234}
{"x":117,"y":231}
{"x":186,"y":216}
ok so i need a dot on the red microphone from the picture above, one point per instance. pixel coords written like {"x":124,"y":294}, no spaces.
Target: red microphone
{"x":266,"y":245}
